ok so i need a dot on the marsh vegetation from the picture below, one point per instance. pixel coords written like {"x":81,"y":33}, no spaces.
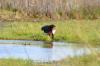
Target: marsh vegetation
{"x":50,"y":9}
{"x":90,"y":60}
{"x":79,"y":31}
{"x":77,"y":21}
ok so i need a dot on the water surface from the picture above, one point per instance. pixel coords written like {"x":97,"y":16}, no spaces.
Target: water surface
{"x":41,"y":51}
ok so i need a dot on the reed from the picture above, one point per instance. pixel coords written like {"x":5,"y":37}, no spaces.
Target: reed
{"x":53,"y":9}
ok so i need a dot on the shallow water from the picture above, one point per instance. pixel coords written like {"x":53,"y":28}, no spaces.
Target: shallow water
{"x":39,"y":51}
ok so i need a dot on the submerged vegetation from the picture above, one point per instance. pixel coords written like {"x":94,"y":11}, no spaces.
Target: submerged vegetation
{"x":82,"y":31}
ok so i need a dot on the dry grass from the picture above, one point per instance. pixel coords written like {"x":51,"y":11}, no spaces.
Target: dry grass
{"x":53,"y":9}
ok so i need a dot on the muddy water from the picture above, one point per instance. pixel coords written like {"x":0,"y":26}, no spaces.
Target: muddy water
{"x":40,"y":51}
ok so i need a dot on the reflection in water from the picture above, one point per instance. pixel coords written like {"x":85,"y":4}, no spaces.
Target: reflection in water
{"x":49,"y":52}
{"x":41,"y":51}
{"x":48,"y":45}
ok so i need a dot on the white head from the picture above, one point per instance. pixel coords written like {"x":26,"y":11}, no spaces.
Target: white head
{"x":53,"y":31}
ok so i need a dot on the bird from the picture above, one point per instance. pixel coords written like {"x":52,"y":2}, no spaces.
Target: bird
{"x":49,"y":30}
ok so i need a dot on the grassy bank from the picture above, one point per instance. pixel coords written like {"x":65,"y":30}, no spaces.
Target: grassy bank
{"x":90,"y":60}
{"x":84,"y":31}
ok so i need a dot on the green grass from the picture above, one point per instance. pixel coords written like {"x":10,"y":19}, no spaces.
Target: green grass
{"x":89,"y":60}
{"x":82,"y":31}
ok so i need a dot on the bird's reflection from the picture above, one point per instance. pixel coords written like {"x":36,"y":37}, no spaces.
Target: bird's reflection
{"x":48,"y":44}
